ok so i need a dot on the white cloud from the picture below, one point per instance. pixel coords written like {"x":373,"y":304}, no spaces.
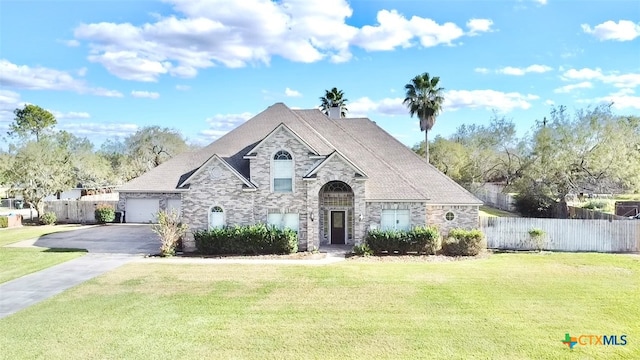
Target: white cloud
{"x":9,"y":101}
{"x":145,"y":94}
{"x":479,"y":25}
{"x":100,"y":130}
{"x":364,"y":107}
{"x":549,"y":102}
{"x":628,"y":80}
{"x":70,"y":115}
{"x":72,"y":43}
{"x":221,"y":124}
{"x":481,"y":70}
{"x":183,"y":87}
{"x":487,"y":99}
{"x":569,"y":88}
{"x":541,"y":2}
{"x":203,"y":34}
{"x":292,"y":93}
{"x":41,"y":78}
{"x":622,"y":99}
{"x":623,"y":30}
{"x":454,"y":100}
{"x":536,"y":68}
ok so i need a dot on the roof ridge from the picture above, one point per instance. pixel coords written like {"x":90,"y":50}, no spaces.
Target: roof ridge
{"x":312,"y":128}
{"x":399,"y":173}
{"x":423,"y":160}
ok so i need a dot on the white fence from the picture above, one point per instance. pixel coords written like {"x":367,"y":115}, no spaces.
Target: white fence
{"x":562,"y":234}
{"x":75,"y":211}
{"x":495,"y":199}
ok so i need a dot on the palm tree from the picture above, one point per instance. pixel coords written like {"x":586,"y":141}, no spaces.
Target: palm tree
{"x":334,"y":98}
{"x":424,"y":99}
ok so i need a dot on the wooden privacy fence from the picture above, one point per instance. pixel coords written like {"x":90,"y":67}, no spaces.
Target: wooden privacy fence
{"x":75,"y":211}
{"x":494,"y":199}
{"x":581,"y":213}
{"x":562,"y":234}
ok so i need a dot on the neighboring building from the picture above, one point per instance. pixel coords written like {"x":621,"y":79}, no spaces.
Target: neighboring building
{"x":329,"y":179}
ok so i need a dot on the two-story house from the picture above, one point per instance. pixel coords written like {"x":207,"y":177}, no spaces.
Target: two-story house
{"x":329,"y":178}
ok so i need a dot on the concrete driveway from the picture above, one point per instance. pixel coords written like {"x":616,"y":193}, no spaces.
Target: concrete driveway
{"x":109,"y":239}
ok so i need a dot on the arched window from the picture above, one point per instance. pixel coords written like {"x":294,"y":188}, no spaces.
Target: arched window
{"x":282,"y":172}
{"x":216,"y":217}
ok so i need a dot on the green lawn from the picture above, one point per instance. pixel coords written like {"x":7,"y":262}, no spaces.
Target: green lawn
{"x":493,"y":212}
{"x":507,"y":306}
{"x":17,"y":262}
{"x":8,"y":236}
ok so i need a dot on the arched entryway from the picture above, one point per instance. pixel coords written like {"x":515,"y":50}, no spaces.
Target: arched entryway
{"x":336,"y":213}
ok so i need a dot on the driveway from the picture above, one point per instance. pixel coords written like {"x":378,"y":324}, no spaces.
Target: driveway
{"x":109,"y":239}
{"x":109,"y":247}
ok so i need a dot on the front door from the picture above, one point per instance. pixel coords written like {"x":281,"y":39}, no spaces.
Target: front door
{"x":337,"y":227}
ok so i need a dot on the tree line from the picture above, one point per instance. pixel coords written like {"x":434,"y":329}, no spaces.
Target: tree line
{"x":41,"y":160}
{"x":590,"y":150}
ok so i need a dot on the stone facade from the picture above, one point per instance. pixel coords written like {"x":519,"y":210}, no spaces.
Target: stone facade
{"x":335,"y":170}
{"x":464,"y":216}
{"x":216,"y":185}
{"x":417,"y":212}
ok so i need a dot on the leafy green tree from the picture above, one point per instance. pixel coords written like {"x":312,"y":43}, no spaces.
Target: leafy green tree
{"x":31,"y":120}
{"x":589,"y":151}
{"x":90,"y":170}
{"x":424,"y":98}
{"x":40,"y":168}
{"x":450,"y":157}
{"x":151,"y":146}
{"x":334,"y":98}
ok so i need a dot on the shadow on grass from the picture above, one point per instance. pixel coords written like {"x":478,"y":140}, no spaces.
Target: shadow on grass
{"x":64,"y":250}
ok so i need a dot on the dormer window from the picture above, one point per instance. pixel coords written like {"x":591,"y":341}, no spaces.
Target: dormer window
{"x":282,"y":172}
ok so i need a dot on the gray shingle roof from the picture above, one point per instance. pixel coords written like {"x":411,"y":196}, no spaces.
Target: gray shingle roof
{"x":394,"y":171}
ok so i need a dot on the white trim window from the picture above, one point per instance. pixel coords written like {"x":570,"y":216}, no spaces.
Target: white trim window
{"x":216,"y":217}
{"x":284,"y":221}
{"x":395,"y":219}
{"x":282,"y":172}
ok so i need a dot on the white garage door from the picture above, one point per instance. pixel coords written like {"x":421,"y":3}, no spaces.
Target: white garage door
{"x":174,"y":205}
{"x":141,"y":210}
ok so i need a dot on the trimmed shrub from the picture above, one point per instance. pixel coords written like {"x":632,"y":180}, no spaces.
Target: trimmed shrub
{"x":48,"y":218}
{"x":537,"y":238}
{"x":462,"y":242}
{"x":246,"y":240}
{"x":422,"y":240}
{"x":170,"y":231}
{"x":362,"y":250}
{"x":104,"y":213}
{"x":4,"y":222}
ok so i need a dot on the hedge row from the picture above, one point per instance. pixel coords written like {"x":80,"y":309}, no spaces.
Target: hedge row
{"x":4,"y":222}
{"x":245,"y":240}
{"x":423,"y":240}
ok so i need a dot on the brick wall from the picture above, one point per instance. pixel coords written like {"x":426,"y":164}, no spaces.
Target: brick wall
{"x":417,"y":212}
{"x":465,"y":216}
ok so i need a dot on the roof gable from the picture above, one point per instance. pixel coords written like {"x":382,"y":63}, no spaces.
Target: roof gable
{"x":280,"y":127}
{"x":336,"y":155}
{"x":225,"y":164}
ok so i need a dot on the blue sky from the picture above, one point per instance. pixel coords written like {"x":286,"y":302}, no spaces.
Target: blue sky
{"x":107,"y":68}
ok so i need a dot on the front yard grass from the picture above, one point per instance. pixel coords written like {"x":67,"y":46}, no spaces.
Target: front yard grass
{"x":506,"y":306}
{"x":9,"y":236}
{"x":17,"y":262}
